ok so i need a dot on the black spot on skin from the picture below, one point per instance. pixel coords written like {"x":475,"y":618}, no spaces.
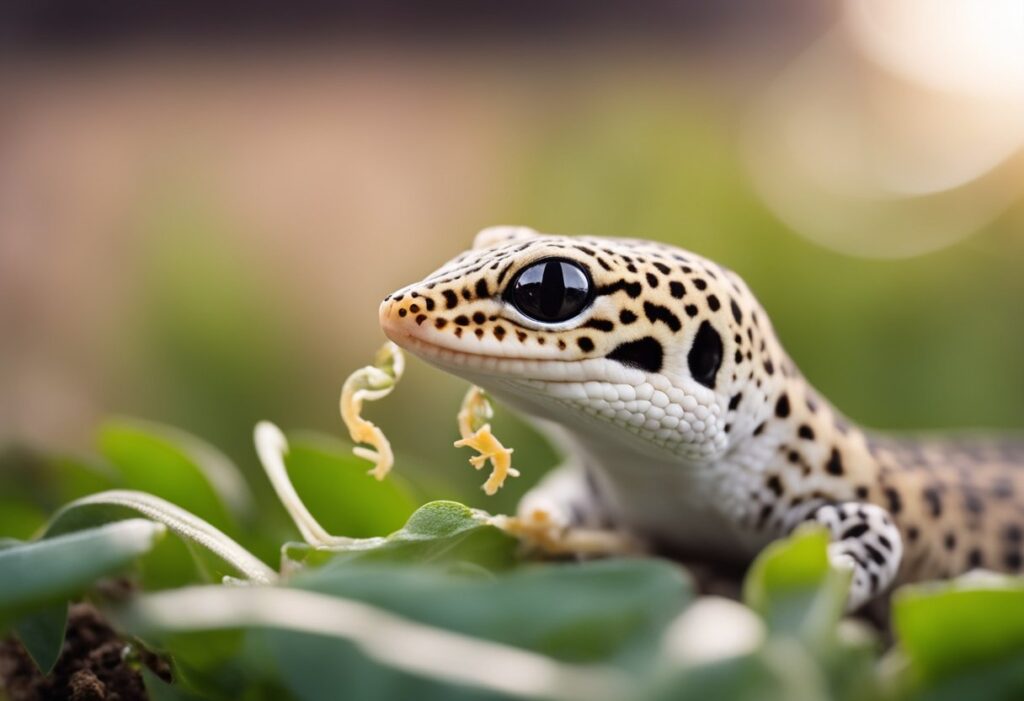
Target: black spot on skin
{"x":876,"y":557}
{"x":700,"y":284}
{"x":735,"y":401}
{"x":895,"y":503}
{"x":662,"y":268}
{"x":862,"y":492}
{"x":973,"y":503}
{"x":913,"y":533}
{"x":656,"y":312}
{"x":561,"y":344}
{"x":451,"y":300}
{"x":713,"y":303}
{"x":760,"y":429}
{"x":403,"y":313}
{"x":677,"y":289}
{"x":834,"y":466}
{"x":691,"y":310}
{"x":652,"y":279}
{"x":603,"y":263}
{"x":522,"y":337}
{"x":466,"y":294}
{"x":633,"y":289}
{"x":806,"y":432}
{"x":600,"y":325}
{"x":705,"y":356}
{"x":504,"y":272}
{"x":499,"y":332}
{"x":854,"y":531}
{"x":462,"y":320}
{"x":933,"y":500}
{"x":458,"y":332}
{"x":430,"y":303}
{"x":479,"y":318}
{"x":481,"y":289}
{"x":793,"y":457}
{"x":645,"y":354}
{"x":769,"y":367}
{"x":774,"y":484}
{"x":1003,"y":488}
{"x":414,"y":308}
{"x":627,"y":317}
{"x":585,"y":344}
{"x":420,"y":319}
{"x":631,"y":268}
{"x":479,"y":332}
{"x":736,"y":313}
{"x":738,"y":358}
{"x":440,"y":323}
{"x":782,"y":407}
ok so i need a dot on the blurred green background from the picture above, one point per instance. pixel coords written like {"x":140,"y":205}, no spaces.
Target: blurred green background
{"x":201,"y":236}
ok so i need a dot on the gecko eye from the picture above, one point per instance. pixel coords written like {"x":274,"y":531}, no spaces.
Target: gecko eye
{"x":551,"y":290}
{"x":706,"y":355}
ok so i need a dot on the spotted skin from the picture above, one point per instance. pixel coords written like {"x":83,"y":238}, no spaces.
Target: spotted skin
{"x":689,"y":425}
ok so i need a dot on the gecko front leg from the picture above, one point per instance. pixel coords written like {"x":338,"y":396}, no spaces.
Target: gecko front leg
{"x":565,"y":498}
{"x":866,"y":541}
{"x":566,"y":515}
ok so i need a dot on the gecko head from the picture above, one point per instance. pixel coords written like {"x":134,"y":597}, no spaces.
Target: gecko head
{"x":632,"y":341}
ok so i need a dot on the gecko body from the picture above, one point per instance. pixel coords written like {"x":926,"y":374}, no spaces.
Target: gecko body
{"x":687,"y":424}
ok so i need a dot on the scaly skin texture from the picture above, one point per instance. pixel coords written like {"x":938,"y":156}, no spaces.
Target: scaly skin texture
{"x":690,"y":427}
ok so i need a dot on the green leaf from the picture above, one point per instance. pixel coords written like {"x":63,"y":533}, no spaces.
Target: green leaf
{"x":336,"y":488}
{"x":310,"y":635}
{"x":118,"y":504}
{"x":178,"y":467}
{"x":53,"y":570}
{"x":782,"y":671}
{"x":792,"y":585}
{"x":19,"y":519}
{"x":439,"y":532}
{"x":602,"y":611}
{"x":42,"y":635}
{"x":33,"y":484}
{"x":950,"y":628}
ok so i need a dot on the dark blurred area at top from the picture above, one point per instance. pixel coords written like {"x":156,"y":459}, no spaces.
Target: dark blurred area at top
{"x":93,"y":24}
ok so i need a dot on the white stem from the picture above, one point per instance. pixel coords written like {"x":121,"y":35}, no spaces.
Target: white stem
{"x":383,"y":636}
{"x":271,"y":446}
{"x":185,"y":524}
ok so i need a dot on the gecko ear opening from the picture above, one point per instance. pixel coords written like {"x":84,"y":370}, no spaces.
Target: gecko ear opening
{"x":497,"y":235}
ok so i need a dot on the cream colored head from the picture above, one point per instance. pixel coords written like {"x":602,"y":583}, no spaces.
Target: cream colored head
{"x":651,"y":345}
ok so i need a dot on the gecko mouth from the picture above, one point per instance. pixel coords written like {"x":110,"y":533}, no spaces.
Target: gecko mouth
{"x":461,"y":362}
{"x":458,"y":361}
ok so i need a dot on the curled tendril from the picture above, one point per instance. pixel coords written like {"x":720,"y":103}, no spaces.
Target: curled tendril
{"x":369,"y":384}
{"x":475,"y":429}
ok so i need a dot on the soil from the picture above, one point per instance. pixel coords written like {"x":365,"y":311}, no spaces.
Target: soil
{"x":94,"y":665}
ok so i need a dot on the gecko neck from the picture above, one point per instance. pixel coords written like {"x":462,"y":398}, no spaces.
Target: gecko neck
{"x":804,"y":454}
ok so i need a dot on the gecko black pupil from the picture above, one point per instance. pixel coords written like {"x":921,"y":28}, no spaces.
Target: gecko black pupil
{"x":551,"y":290}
